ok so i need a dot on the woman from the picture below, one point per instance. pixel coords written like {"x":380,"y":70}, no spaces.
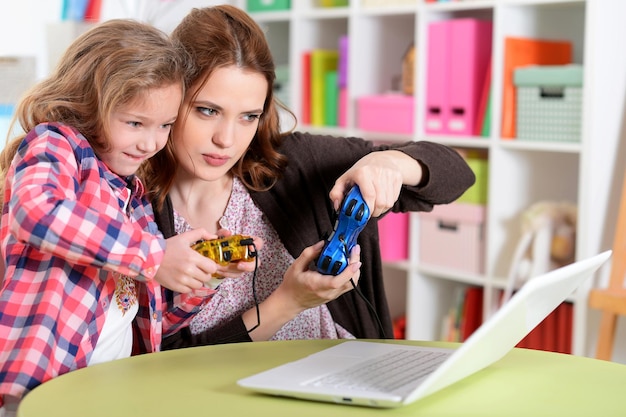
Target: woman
{"x":229,"y":166}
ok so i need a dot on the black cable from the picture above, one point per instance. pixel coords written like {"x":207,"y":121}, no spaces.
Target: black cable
{"x":371,"y":308}
{"x":248,"y":242}
{"x":254,"y":295}
{"x":369,"y":305}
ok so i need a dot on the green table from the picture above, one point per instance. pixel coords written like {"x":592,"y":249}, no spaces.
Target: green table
{"x":202,"y":382}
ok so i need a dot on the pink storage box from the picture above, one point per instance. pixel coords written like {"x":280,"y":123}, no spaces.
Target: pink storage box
{"x":390,"y":113}
{"x":393,"y":232}
{"x":452,"y":236}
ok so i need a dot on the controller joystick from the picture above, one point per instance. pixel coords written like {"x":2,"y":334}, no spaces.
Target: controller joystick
{"x":352,"y":217}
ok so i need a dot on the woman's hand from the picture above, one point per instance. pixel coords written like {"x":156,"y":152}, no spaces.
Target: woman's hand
{"x":302,"y":288}
{"x":182,"y":268}
{"x":380,"y":176}
{"x":305,"y":288}
{"x":236,"y":269}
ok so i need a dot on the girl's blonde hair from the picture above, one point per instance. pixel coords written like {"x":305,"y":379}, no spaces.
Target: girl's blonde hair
{"x":106,"y":67}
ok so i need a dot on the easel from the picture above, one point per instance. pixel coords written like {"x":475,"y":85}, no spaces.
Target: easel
{"x":612,"y":300}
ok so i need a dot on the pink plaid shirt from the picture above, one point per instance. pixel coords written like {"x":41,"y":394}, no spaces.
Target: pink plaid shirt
{"x":69,"y":227}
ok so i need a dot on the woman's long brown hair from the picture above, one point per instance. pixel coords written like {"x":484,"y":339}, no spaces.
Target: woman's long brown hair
{"x":216,"y":37}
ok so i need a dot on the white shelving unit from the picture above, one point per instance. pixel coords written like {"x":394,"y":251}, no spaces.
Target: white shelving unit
{"x":521,"y":173}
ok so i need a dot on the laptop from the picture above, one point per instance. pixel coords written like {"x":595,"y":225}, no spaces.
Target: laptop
{"x":368,"y":373}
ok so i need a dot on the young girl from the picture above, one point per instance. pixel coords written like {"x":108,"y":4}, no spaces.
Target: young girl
{"x":232,"y":167}
{"x":83,"y":255}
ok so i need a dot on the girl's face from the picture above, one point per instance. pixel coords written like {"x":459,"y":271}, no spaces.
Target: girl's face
{"x":141,"y":128}
{"x":217,"y":127}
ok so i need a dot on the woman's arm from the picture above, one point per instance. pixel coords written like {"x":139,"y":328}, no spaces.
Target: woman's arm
{"x":301,"y":289}
{"x":382,"y":174}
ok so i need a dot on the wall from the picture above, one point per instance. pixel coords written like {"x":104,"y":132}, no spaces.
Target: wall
{"x":32,"y":28}
{"x":23,"y":30}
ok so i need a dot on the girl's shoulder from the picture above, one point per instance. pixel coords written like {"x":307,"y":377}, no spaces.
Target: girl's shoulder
{"x":57,"y":129}
{"x":57,"y":141}
{"x":57,"y":135}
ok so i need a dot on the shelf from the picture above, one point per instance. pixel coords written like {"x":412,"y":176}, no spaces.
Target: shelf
{"x":522,"y":172}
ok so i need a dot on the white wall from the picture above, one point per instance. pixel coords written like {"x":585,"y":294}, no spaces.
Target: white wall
{"x":33,"y":28}
{"x":24,"y":22}
{"x":22,"y":32}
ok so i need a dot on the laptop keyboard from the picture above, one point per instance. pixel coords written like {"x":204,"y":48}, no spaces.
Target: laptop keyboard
{"x":385,"y":373}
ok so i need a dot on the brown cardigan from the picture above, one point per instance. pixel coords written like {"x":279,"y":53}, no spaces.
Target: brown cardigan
{"x":299,"y":209}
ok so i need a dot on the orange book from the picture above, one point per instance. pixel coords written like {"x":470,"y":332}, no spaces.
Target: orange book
{"x":519,"y":52}
{"x":305,"y":117}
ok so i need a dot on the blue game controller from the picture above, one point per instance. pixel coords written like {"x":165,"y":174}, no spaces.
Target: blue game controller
{"x":352,"y":218}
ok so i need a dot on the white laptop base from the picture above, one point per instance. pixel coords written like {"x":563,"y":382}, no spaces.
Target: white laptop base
{"x":306,"y":378}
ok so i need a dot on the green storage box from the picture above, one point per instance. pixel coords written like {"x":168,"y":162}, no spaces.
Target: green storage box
{"x":549,"y":102}
{"x":477,"y":193}
{"x":268,"y":5}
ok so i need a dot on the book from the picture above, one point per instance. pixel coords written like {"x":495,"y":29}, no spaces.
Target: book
{"x":342,"y":77}
{"x":343,"y":108}
{"x":342,"y":82}
{"x":94,"y":7}
{"x":305,"y":117}
{"x":469,"y":53}
{"x":451,"y":329}
{"x":331,"y":99}
{"x":550,"y":332}
{"x":520,"y":52}
{"x":564,"y":328}
{"x":322,"y":61}
{"x":481,"y":114}
{"x":458,"y":58}
{"x":485,"y":130}
{"x":535,"y":337}
{"x":437,"y":77}
{"x":472,"y":312}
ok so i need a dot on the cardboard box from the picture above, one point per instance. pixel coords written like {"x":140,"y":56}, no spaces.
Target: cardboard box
{"x":389,"y":113}
{"x":549,"y":102}
{"x":452,"y":236}
{"x":267,"y":5}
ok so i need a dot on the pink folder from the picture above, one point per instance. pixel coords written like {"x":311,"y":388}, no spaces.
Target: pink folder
{"x":437,"y":77}
{"x":470,"y":52}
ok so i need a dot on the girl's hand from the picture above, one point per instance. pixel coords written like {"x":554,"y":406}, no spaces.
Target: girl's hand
{"x":183,"y":269}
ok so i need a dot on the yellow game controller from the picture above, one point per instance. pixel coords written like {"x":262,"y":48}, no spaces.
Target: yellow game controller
{"x":229,"y":249}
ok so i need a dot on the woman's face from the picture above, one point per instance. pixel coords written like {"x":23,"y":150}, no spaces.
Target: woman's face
{"x":215,"y":129}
